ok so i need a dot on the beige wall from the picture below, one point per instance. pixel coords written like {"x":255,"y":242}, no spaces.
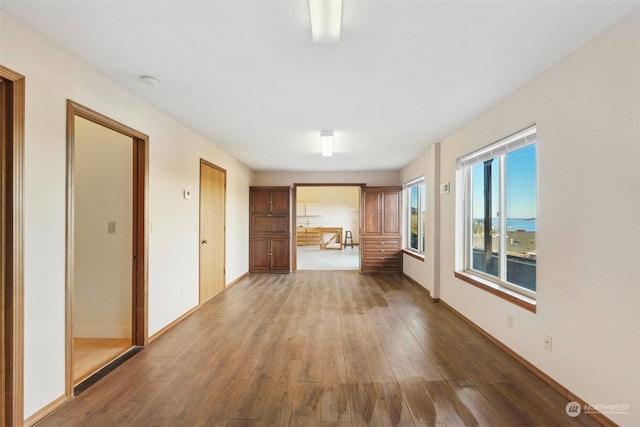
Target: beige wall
{"x":290,"y":178}
{"x":587,"y":111}
{"x":52,"y":77}
{"x":103,"y":193}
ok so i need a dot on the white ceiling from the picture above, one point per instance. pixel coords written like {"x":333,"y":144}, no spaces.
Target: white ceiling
{"x":246,"y":75}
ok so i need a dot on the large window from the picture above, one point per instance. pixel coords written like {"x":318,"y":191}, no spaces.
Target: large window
{"x":415,"y":207}
{"x":500,"y":212}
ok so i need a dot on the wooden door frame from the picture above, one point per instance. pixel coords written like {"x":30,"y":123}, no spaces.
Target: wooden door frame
{"x":294,"y":216}
{"x":224,"y":220}
{"x":12,"y":249}
{"x":140,"y":226}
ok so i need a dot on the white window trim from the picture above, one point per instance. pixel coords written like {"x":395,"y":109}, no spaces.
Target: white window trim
{"x":498,"y":149}
{"x":407,"y":215}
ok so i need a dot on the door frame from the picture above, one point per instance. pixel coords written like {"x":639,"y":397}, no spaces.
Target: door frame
{"x":13,"y":249}
{"x":204,"y":162}
{"x":294,"y":215}
{"x":139,"y":238}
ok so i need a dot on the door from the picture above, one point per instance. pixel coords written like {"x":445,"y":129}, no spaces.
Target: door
{"x":212,"y":230}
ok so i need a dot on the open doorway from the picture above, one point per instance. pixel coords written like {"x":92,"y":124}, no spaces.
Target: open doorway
{"x":327,"y":225}
{"x":106,"y":252}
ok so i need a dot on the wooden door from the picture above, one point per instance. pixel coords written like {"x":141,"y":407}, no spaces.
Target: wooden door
{"x":259,"y":258}
{"x":392,"y":212}
{"x":261,"y":201}
{"x":371,"y":212}
{"x":212,"y":230}
{"x":279,"y":254}
{"x":280,"y":202}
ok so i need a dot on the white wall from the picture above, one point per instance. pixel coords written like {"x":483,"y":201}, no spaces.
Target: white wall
{"x":426,"y":272}
{"x":52,"y":77}
{"x":103,"y":192}
{"x":339,"y":207}
{"x":587,"y":111}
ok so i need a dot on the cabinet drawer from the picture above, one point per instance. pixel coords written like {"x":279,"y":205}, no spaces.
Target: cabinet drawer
{"x":381,"y":244}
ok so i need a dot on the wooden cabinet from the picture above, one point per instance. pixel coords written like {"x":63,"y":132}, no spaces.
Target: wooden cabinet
{"x":269,"y":230}
{"x":269,"y":255}
{"x":381,"y":211}
{"x":306,"y":236}
{"x":380,"y":234}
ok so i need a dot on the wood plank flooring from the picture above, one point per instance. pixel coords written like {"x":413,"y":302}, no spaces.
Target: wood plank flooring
{"x":319,"y":349}
{"x":90,"y":354}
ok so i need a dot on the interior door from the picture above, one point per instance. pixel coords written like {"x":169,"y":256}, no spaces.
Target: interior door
{"x":212,"y":230}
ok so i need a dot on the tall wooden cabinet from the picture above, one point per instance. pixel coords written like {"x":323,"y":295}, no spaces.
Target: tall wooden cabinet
{"x":269,"y":230}
{"x":381,"y":230}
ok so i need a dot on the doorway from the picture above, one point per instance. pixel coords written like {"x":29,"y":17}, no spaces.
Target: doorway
{"x":12,"y":105}
{"x":213,"y":185}
{"x":106,"y":244}
{"x":327,"y":224}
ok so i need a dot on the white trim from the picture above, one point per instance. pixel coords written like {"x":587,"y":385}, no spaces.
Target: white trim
{"x":504,"y":146}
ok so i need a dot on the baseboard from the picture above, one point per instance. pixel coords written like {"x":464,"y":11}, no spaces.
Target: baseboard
{"x":419,"y":286}
{"x":237,"y":280}
{"x":602,"y":419}
{"x":174,"y":323}
{"x":45,"y":411}
{"x":189,"y":313}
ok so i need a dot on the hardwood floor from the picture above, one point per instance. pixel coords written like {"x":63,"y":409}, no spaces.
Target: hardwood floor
{"x":90,"y":354}
{"x":319,"y":349}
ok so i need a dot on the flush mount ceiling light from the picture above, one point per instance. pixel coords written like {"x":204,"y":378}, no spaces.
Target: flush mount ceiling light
{"x":150,"y":81}
{"x":326,"y":142}
{"x":326,"y":17}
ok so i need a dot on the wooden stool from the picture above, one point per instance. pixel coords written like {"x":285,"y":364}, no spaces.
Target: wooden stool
{"x":348,"y":239}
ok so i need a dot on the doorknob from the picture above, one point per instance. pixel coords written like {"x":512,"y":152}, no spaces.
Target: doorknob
{"x":204,"y":241}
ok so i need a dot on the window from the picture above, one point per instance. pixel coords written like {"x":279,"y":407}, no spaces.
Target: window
{"x":500,"y":212}
{"x":415,"y":207}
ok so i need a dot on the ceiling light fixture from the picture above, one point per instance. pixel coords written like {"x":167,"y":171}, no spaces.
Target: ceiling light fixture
{"x":326,"y":142}
{"x":150,"y":81}
{"x":326,"y":17}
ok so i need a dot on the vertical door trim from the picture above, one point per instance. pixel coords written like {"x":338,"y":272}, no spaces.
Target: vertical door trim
{"x":13,"y":250}
{"x":140,"y":234}
{"x":224,"y":233}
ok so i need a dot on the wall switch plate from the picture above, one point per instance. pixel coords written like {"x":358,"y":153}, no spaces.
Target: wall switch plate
{"x":445,"y":188}
{"x":111,"y":227}
{"x":548,"y":342}
{"x":187,"y":194}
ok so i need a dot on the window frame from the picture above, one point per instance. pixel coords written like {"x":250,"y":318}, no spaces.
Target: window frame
{"x":465,"y":164}
{"x":420,"y":184}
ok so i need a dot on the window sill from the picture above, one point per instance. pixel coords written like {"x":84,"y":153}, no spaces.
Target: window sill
{"x":413,"y":254}
{"x":495,"y":289}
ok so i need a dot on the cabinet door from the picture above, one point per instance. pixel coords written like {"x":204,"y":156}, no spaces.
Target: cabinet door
{"x":280,"y":259}
{"x":392,"y":212}
{"x":260,"y":201}
{"x":280,"y":202}
{"x":371,"y":212}
{"x":259,"y":259}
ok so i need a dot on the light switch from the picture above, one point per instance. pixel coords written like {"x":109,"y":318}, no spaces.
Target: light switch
{"x":111,"y":227}
{"x":187,"y":194}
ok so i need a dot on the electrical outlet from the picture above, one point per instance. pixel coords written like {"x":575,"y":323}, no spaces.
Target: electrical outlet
{"x":111,"y":227}
{"x":510,"y":320}
{"x":548,"y":343}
